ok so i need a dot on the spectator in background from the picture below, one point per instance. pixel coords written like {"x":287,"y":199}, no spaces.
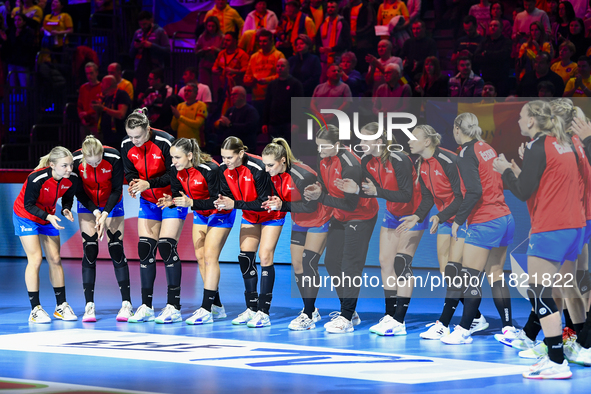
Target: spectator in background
{"x":580,"y":85}
{"x":189,"y":116}
{"x":114,"y":69}
{"x":261,"y":69}
{"x":528,"y":86}
{"x":315,"y":9}
{"x":33,"y":13}
{"x":333,"y":94}
{"x":432,"y":82}
{"x":305,"y":66}
{"x":489,"y":90}
{"x":578,"y":37}
{"x":497,"y":12}
{"x":561,"y":28}
{"x":417,"y":49}
{"x":351,"y":76}
{"x":552,"y":11}
{"x":494,"y":57}
{"x":249,"y":41}
{"x":566,"y":68}
{"x":536,"y":43}
{"x":154,"y":98}
{"x":89,"y":92}
{"x":332,"y":38}
{"x":384,"y":97}
{"x":203,"y":92}
{"x":293,"y":23}
{"x":207,"y":48}
{"x":230,"y":66}
{"x":546,"y":89}
{"x":390,"y":9}
{"x":468,"y":43}
{"x":375,"y":74}
{"x":56,"y":25}
{"x":414,"y":12}
{"x":260,"y":18}
{"x":276,"y":119}
{"x":19,"y":50}
{"x":481,"y":12}
{"x":524,"y":19}
{"x":228,"y":17}
{"x":150,"y":49}
{"x":361,"y":18}
{"x":243,"y":7}
{"x":465,"y":83}
{"x":241,"y":120}
{"x":112,"y":110}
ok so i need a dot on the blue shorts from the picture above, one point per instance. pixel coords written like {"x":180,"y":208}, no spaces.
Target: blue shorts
{"x":24,"y":227}
{"x":558,"y":245}
{"x":391,"y":221}
{"x":445,"y":229}
{"x":587,"y":236}
{"x":492,"y":234}
{"x":275,"y":222}
{"x":151,"y":211}
{"x":117,"y":210}
{"x":222,"y":220}
{"x":300,"y":229}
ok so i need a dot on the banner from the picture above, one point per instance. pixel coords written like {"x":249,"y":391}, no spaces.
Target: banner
{"x":178,"y":15}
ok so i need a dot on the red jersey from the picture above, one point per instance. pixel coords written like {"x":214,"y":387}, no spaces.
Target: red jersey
{"x":200,"y":183}
{"x":585,"y":172}
{"x":39,"y":195}
{"x":101,"y":186}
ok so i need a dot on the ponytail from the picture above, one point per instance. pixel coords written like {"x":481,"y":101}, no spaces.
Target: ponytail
{"x":91,"y":147}
{"x":138,"y":118}
{"x":187,"y":146}
{"x":432,"y":135}
{"x":547,"y":122}
{"x":468,"y":125}
{"x":279,"y":148}
{"x":59,"y":152}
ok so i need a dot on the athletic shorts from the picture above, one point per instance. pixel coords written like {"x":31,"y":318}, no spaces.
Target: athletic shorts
{"x":151,"y":211}
{"x":445,"y":229}
{"x":587,"y":236}
{"x":274,"y":222}
{"x":117,"y":210}
{"x":392,"y":222}
{"x":299,"y":233}
{"x":557,"y":245}
{"x":221,"y":220}
{"x":23,"y":226}
{"x":492,"y":234}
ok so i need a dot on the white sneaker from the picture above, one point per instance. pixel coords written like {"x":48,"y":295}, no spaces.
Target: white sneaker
{"x":200,"y":316}
{"x":333,"y":315}
{"x":142,"y":314}
{"x":522,"y":342}
{"x":339,"y":325}
{"x":244,"y":317}
{"x":125,"y":312}
{"x":302,"y":323}
{"x":64,"y":312}
{"x":260,"y":319}
{"x":584,"y":357}
{"x":459,"y":336}
{"x":547,"y":369}
{"x":218,"y":312}
{"x":89,"y":316}
{"x":315,"y":315}
{"x":572,"y":350}
{"x":39,"y":316}
{"x":385,"y":319}
{"x":391,"y":328}
{"x":436,"y":331}
{"x":169,"y":315}
{"x":538,"y":351}
{"x":478,"y":325}
{"x":355,"y":320}
{"x":509,"y":334}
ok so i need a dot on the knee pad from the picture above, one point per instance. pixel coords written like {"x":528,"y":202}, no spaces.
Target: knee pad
{"x":298,"y":238}
{"x":541,"y":300}
{"x":451,"y":271}
{"x":146,"y":248}
{"x":116,"y":248}
{"x":402,"y":265}
{"x":247,"y":265}
{"x":167,"y":249}
{"x":471,"y":279}
{"x":90,"y":245}
{"x":584,"y":281}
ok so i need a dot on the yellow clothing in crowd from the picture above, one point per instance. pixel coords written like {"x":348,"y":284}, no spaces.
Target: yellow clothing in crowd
{"x":570,"y":85}
{"x":388,"y":11}
{"x":568,"y":72}
{"x":190,"y":123}
{"x":262,"y":66}
{"x":126,"y":86}
{"x":59,"y":22}
{"x":34,"y":12}
{"x":229,"y":19}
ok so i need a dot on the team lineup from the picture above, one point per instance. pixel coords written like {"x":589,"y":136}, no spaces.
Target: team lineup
{"x":334,"y":210}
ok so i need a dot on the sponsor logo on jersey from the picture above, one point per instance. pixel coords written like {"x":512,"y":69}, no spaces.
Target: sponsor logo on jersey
{"x":488,"y":154}
{"x":136,"y":156}
{"x":437,"y":172}
{"x":156,"y":157}
{"x":105,"y":171}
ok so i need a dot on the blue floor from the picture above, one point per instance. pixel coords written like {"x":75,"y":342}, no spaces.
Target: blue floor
{"x":224,"y":358}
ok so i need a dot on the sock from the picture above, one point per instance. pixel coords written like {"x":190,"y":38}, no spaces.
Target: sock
{"x":267,"y":279}
{"x":309,"y":306}
{"x":578,"y":327}
{"x":390,"y":298}
{"x":60,"y":294}
{"x":401,"y":308}
{"x":252,"y":300}
{"x":532,"y":327}
{"x":88,"y":292}
{"x":478,"y":314}
{"x":208,"y":299}
{"x":265,"y":302}
{"x":217,"y":301}
{"x":34,"y":298}
{"x":448,"y":310}
{"x":567,"y":320}
{"x":502,"y":299}
{"x":147,"y":297}
{"x":174,"y":296}
{"x":555,"y":351}
{"x":125,"y":289}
